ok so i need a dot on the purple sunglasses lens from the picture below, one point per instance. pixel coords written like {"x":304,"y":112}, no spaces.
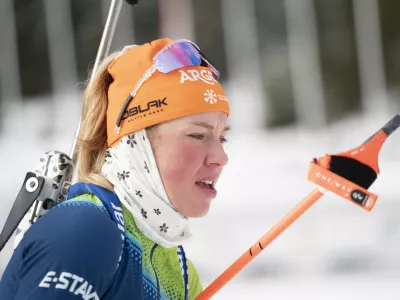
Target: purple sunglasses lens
{"x":177,"y":56}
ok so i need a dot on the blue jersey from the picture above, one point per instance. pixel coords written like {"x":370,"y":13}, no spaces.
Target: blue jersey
{"x":82,"y":250}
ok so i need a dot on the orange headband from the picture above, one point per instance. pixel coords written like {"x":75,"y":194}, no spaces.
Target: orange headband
{"x":162,"y":97}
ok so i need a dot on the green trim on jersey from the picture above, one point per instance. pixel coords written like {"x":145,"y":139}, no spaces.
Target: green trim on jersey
{"x":165,"y":264}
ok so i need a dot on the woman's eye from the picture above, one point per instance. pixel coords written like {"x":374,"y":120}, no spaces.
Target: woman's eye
{"x":223,"y":140}
{"x":197,"y":136}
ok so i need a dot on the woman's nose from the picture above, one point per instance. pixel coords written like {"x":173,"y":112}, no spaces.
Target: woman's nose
{"x":217,"y":155}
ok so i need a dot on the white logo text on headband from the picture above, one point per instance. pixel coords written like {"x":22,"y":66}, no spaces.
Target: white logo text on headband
{"x":194,"y":75}
{"x":211,"y":97}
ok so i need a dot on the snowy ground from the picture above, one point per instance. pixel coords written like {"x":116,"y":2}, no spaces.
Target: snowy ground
{"x":350,"y":287}
{"x":335,"y":251}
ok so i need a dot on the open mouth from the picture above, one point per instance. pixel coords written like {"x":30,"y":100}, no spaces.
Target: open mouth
{"x":208,"y":187}
{"x":206,"y":184}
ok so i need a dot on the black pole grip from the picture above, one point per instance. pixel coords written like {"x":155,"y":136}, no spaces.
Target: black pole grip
{"x":392,"y":125}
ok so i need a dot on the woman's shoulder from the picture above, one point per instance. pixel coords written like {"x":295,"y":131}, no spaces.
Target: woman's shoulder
{"x":72,"y":247}
{"x":78,"y":226}
{"x":84,"y":200}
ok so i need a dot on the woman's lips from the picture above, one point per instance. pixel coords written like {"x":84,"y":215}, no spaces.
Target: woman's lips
{"x":208,"y":189}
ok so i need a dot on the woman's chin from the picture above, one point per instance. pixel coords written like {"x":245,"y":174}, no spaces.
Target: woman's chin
{"x":199,"y":208}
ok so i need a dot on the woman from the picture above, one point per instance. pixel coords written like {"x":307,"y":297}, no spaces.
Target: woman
{"x":154,"y":121}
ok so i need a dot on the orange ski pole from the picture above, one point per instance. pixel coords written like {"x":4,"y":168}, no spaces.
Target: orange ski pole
{"x":348,"y":174}
{"x":261,"y":244}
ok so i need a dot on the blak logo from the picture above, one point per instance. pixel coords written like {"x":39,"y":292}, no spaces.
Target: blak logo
{"x":194,"y":75}
{"x":70,"y":282}
{"x":138,"y":109}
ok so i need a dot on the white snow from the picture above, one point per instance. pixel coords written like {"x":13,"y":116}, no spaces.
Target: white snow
{"x":335,"y":251}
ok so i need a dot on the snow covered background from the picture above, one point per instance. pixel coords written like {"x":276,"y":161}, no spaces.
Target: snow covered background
{"x":274,"y":51}
{"x":335,"y":251}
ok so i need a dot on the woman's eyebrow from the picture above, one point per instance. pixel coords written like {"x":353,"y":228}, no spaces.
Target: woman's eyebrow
{"x":208,"y":126}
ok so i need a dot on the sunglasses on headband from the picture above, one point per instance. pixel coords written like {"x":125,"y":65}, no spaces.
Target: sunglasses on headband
{"x":176,"y":55}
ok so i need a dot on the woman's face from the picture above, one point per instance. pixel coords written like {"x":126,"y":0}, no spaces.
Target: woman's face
{"x":190,"y":157}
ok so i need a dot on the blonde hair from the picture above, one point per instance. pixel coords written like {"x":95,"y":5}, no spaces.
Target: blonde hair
{"x":92,"y":139}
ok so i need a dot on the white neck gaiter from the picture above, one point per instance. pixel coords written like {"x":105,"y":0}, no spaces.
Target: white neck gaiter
{"x":131,"y":167}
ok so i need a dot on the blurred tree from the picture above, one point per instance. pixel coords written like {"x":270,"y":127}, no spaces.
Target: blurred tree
{"x":209,"y":32}
{"x":146,"y":21}
{"x":124,"y":31}
{"x":390,"y":23}
{"x":32,"y":47}
{"x":338,"y":57}
{"x":272,"y":39}
{"x":2,"y":107}
{"x":87,"y":27}
{"x":9,"y":70}
{"x":88,"y":22}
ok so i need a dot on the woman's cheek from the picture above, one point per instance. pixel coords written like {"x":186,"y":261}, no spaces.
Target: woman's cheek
{"x":183,"y":162}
